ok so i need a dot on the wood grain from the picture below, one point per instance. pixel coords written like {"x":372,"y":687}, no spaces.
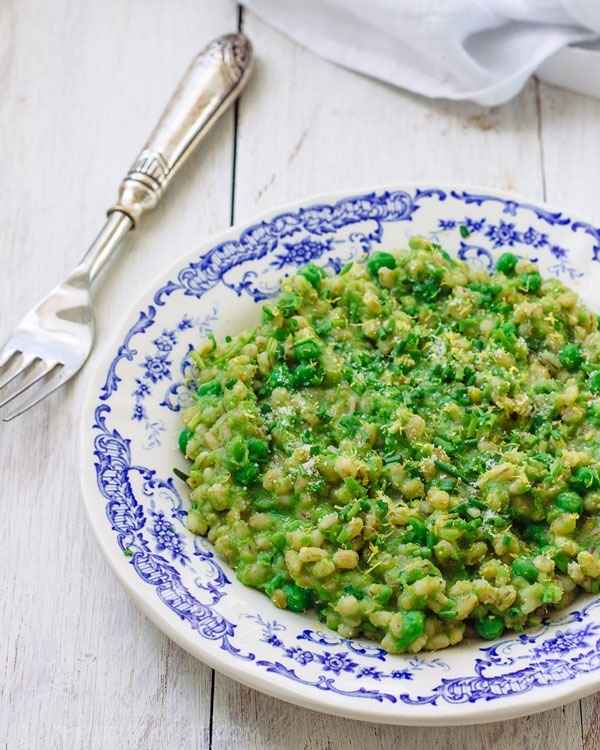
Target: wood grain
{"x":571,"y":153}
{"x":568,"y":129}
{"x":257,"y":721}
{"x":344,"y":130}
{"x":79,"y":666}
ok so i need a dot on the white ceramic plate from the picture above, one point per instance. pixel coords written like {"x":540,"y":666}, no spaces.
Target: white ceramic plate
{"x":136,"y":507}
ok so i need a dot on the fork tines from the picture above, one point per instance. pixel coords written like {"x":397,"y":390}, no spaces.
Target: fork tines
{"x":22,"y":374}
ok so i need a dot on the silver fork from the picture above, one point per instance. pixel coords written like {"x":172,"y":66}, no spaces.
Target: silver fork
{"x":54,"y":339}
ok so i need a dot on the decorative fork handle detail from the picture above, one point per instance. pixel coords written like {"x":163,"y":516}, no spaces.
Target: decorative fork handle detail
{"x":216,"y":76}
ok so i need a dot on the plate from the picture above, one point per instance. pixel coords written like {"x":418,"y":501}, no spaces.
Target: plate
{"x":136,"y":507}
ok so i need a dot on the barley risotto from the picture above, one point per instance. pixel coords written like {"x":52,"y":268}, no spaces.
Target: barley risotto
{"x":409,"y":447}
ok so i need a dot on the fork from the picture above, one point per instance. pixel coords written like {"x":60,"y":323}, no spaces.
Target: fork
{"x":54,"y":339}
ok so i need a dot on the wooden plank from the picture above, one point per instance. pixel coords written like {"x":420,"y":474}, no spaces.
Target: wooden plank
{"x":569,"y":129}
{"x":569,"y":126}
{"x":82,"y":87}
{"x":590,"y":710}
{"x":257,"y":721}
{"x":349,"y":131}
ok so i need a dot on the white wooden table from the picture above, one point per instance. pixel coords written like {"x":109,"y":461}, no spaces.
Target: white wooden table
{"x":81,"y":86}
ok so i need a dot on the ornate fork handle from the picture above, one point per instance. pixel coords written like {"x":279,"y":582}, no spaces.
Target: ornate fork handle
{"x":215,"y":78}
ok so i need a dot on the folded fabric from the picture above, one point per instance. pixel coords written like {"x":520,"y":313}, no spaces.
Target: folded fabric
{"x":482,"y":50}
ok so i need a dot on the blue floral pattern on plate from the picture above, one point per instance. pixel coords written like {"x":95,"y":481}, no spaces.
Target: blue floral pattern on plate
{"x":137,"y":509}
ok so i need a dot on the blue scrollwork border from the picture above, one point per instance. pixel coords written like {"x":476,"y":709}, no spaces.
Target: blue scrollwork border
{"x":153,"y":542}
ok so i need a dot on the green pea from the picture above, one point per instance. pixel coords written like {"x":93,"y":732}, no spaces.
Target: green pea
{"x":594,"y":382}
{"x":258,"y":450}
{"x":537,"y":532}
{"x":247,"y":475}
{"x":280,"y":377}
{"x":570,"y":357}
{"x":570,"y":502}
{"x":379,"y":260}
{"x":308,"y":374}
{"x":307,"y":351}
{"x":490,"y":627}
{"x":322,"y":326}
{"x":525,"y":568}
{"x":585,"y":479}
{"x":184,"y":439}
{"x":237,"y":455}
{"x":506,"y":263}
{"x":298,"y":599}
{"x":313,"y":274}
{"x":212,"y":388}
{"x":530,"y":282}
{"x":412,"y":626}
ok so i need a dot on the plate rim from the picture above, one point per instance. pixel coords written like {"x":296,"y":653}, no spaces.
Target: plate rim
{"x":166,"y":620}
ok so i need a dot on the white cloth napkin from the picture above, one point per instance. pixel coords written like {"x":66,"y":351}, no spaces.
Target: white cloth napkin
{"x":482,"y":50}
